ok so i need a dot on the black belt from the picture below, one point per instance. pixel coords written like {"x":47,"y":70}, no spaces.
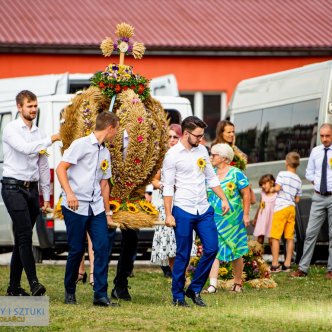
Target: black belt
{"x":328,"y":193}
{"x":26,"y":184}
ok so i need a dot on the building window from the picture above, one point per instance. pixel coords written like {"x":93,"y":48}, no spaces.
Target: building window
{"x":209,"y":106}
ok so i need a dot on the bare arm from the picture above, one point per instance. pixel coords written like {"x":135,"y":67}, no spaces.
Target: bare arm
{"x":245,"y":193}
{"x":297,"y":199}
{"x":156,"y":180}
{"x":61,"y":172}
{"x":105,"y":193}
{"x":170,"y":221}
{"x":275,"y":189}
{"x":220,"y":193}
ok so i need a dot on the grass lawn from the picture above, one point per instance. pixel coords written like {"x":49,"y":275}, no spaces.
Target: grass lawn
{"x":303,"y":304}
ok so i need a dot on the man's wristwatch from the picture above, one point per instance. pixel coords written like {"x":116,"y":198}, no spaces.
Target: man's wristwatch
{"x":109,"y":213}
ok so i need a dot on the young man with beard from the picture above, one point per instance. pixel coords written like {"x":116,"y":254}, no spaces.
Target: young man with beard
{"x":186,"y":171}
{"x":25,"y":166}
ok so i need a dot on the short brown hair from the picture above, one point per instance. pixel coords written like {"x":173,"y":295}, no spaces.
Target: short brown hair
{"x":293,"y":159}
{"x":190,"y":123}
{"x":25,"y":94}
{"x":105,"y":119}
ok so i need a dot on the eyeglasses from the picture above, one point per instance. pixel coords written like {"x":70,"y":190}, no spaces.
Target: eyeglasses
{"x":197,"y":136}
{"x":171,"y":136}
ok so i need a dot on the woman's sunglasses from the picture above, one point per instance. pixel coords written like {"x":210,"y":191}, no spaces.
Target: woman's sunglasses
{"x":171,"y":136}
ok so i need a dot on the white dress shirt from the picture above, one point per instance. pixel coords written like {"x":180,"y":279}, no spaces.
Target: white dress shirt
{"x":22,"y":160}
{"x":180,"y":169}
{"x":86,"y":156}
{"x":314,"y":168}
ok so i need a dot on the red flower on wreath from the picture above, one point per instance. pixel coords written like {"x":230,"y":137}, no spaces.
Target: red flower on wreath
{"x":129,"y":184}
{"x":124,"y":88}
{"x":117,"y":88}
{"x":137,"y":161}
{"x":141,"y":88}
{"x":102,"y":85}
{"x":140,"y":139}
{"x":140,"y":120}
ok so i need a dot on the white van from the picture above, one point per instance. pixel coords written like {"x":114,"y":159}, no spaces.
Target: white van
{"x":278,"y":113}
{"x":49,"y":235}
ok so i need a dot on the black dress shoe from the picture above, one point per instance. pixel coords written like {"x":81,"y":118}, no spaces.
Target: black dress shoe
{"x":180,"y":303}
{"x":104,"y":302}
{"x":70,"y":298}
{"x":121,"y":293}
{"x":37,"y":289}
{"x":17,"y":291}
{"x":196,"y":298}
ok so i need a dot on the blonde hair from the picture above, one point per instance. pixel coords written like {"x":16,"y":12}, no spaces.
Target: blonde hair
{"x":223,"y":150}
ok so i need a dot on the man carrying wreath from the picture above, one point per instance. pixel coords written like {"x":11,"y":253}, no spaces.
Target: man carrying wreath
{"x":187,"y":169}
{"x":84,"y":173}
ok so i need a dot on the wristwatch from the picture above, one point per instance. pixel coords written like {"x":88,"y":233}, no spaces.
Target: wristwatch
{"x":109,"y":213}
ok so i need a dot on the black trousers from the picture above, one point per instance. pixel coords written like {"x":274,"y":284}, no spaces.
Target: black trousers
{"x":23,"y":207}
{"x":127,"y":257}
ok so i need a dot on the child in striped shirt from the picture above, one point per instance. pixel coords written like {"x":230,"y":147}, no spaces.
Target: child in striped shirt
{"x":288,"y":188}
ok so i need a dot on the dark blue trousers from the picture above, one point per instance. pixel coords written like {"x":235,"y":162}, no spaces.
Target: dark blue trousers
{"x":206,"y":229}
{"x":77,"y":226}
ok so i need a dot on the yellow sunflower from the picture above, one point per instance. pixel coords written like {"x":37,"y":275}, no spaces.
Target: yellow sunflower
{"x":114,"y":206}
{"x":201,"y":163}
{"x":44,"y":152}
{"x":230,"y":186}
{"x":223,"y":271}
{"x":262,"y":205}
{"x":104,"y":165}
{"x":148,"y":208}
{"x":132,"y":208}
{"x":330,"y":162}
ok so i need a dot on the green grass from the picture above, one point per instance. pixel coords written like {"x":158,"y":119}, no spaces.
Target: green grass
{"x":303,"y":304}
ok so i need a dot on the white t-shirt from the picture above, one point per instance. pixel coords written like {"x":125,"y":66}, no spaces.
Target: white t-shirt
{"x":290,"y":184}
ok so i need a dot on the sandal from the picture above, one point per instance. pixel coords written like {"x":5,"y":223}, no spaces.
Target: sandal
{"x":237,"y":288}
{"x":211,"y":289}
{"x":91,"y":281}
{"x":81,"y":277}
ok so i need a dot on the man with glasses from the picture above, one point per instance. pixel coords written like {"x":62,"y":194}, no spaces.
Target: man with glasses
{"x":186,"y":171}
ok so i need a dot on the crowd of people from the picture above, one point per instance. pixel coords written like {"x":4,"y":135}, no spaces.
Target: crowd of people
{"x":203,"y":192}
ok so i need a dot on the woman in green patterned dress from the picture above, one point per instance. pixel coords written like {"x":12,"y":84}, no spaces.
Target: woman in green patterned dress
{"x":232,"y":233}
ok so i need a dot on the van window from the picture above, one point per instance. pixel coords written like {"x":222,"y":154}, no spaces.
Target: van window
{"x":269,"y":134}
{"x":5,"y":118}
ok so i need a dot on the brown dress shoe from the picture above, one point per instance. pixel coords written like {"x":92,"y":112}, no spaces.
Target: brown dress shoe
{"x":328,"y":275}
{"x":298,"y":273}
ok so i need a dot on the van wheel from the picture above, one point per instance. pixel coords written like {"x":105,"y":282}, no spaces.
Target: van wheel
{"x":37,"y":254}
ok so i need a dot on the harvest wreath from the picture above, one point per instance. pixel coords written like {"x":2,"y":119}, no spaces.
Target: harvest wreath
{"x":142,"y":120}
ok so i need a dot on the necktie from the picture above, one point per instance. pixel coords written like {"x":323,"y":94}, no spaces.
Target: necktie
{"x":323,"y":181}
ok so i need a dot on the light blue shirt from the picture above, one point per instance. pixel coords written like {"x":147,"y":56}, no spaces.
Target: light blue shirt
{"x":87,"y":156}
{"x":314,"y":168}
{"x":180,"y":169}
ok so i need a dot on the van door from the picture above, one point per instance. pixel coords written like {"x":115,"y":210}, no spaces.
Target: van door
{"x":6,"y":234}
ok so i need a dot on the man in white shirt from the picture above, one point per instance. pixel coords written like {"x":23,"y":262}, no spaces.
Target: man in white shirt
{"x":25,"y":166}
{"x":186,"y":172}
{"x":84,"y":174}
{"x":319,"y":173}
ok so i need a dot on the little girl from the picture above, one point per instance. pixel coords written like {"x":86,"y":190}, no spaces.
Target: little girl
{"x":263,"y":218}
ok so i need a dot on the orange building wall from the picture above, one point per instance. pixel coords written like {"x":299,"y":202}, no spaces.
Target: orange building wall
{"x":192,"y":73}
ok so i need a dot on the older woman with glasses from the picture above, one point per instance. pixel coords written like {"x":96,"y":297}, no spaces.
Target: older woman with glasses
{"x":164,"y":244}
{"x":232,"y":234}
